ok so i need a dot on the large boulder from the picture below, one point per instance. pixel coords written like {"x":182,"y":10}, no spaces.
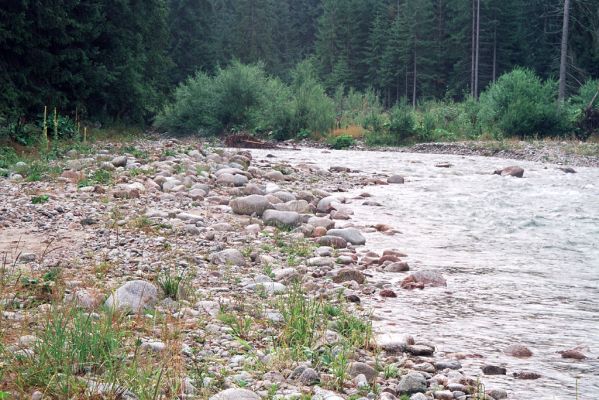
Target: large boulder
{"x":351,"y":235}
{"x":360,"y":368}
{"x":510,"y":171}
{"x":396,"y":179}
{"x":422,"y":279}
{"x":325,"y":204}
{"x":228,"y":257}
{"x":235,"y":394}
{"x":281,"y":218}
{"x":250,"y":205}
{"x":133,"y":296}
{"x":518,"y":350}
{"x":321,"y":222}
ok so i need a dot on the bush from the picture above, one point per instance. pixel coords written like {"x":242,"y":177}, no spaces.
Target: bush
{"x":341,"y":142}
{"x":244,"y":97}
{"x":402,"y":122}
{"x":358,"y":108}
{"x":520,"y":104}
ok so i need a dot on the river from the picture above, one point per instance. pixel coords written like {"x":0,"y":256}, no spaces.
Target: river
{"x":521,"y":258}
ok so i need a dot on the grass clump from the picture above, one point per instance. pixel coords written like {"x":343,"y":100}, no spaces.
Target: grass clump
{"x":100,"y":176}
{"x":170,"y":284}
{"x":341,"y":142}
{"x":41,"y":199}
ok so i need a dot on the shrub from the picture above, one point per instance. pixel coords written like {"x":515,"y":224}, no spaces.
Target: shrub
{"x":313,"y":109}
{"x":341,"y":142}
{"x":402,"y":122}
{"x":520,"y":104}
{"x":357,"y":108}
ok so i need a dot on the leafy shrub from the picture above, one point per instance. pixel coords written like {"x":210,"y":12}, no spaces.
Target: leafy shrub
{"x":313,"y":109}
{"x":520,"y":104}
{"x":357,"y":108}
{"x":341,"y":142}
{"x":402,"y":122}
{"x":243,"y":97}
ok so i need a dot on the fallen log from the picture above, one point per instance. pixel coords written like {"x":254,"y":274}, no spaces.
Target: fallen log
{"x":244,"y":140}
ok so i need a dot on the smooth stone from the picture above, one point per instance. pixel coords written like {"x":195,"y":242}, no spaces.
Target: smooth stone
{"x":360,"y":368}
{"x":228,"y":257}
{"x":250,"y":205}
{"x":120,"y":161}
{"x":421,"y":279}
{"x":351,"y":235}
{"x":349,"y":274}
{"x":309,"y":377}
{"x":493,"y":370}
{"x":235,"y":394}
{"x":321,"y":222}
{"x":510,"y":171}
{"x":281,"y":218}
{"x":396,"y":179}
{"x":411,"y":383}
{"x":332,"y":241}
{"x":133,"y":296}
{"x":518,"y":350}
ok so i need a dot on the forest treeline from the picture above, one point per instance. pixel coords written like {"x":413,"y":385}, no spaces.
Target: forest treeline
{"x":121,"y":60}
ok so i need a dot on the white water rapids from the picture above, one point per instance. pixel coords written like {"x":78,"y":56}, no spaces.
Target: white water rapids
{"x":521,"y":258}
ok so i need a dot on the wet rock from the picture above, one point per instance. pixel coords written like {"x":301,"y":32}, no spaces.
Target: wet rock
{"x":235,"y":394}
{"x":574,"y":354}
{"x":450,"y":364}
{"x":420,"y":350}
{"x":527,"y":375}
{"x":387,"y":293}
{"x":352,"y":298}
{"x":299,"y":206}
{"x":421,"y":279}
{"x":497,"y":394}
{"x":517,"y":350}
{"x":27,"y":257}
{"x":493,"y":370}
{"x":444,"y":164}
{"x":228,"y":257}
{"x":250,"y":205}
{"x":360,"y":368}
{"x":349,"y":274}
{"x":324,"y":205}
{"x":567,"y":170}
{"x":396,"y":179}
{"x":413,"y":382}
{"x":133,"y":296}
{"x":510,"y":171}
{"x":397,"y":267}
{"x":351,"y":235}
{"x":419,"y":396}
{"x":281,"y":218}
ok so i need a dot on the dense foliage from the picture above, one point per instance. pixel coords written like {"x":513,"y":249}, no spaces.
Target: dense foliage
{"x":120,"y":60}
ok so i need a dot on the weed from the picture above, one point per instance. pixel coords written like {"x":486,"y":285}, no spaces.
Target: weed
{"x":170,"y":284}
{"x":100,"y":176}
{"x":356,"y":331}
{"x":391,"y":371}
{"x":240,"y":324}
{"x":41,"y":199}
{"x":341,"y":142}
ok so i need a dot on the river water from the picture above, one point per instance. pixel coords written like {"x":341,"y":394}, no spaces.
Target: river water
{"x":521,"y":259}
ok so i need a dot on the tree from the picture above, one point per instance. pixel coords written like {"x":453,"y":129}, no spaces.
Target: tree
{"x":564,"y":53}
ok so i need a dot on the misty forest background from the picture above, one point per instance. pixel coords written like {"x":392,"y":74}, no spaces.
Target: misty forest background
{"x":298,"y":66}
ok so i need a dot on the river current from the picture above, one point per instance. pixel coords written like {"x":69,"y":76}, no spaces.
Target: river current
{"x":521,"y":259}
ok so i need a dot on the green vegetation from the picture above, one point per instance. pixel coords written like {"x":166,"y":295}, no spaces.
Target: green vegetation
{"x":41,"y":199}
{"x":341,"y":142}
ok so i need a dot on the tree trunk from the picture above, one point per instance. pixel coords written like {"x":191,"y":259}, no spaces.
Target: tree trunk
{"x":476,"y":67}
{"x":495,"y":52}
{"x":415,"y":79}
{"x":473,"y":46}
{"x":564,"y":53}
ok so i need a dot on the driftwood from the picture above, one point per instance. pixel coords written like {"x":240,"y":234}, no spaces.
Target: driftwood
{"x":246,"y":141}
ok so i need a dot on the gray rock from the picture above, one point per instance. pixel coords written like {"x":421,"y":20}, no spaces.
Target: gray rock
{"x":228,"y":257}
{"x":450,"y":364}
{"x":418,"y":396}
{"x":325,"y":203}
{"x":413,"y":382}
{"x":424,"y":279}
{"x":497,"y":394}
{"x":493,"y":370}
{"x":284,"y":196}
{"x":240,"y":180}
{"x":268,"y":287}
{"x":275,"y":176}
{"x":309,"y":377}
{"x":235,"y":394}
{"x":357,"y":368}
{"x":281,"y":218}
{"x":396,"y":179}
{"x":250,"y":205}
{"x":326,"y":223}
{"x":133,"y":296}
{"x":351,"y":235}
{"x":119,"y":161}
{"x":300,"y":206}
{"x":349,"y":274}
{"x":420,"y":350}
{"x":332,"y":241}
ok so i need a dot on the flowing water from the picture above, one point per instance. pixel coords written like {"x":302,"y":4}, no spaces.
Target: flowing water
{"x":521,"y":259}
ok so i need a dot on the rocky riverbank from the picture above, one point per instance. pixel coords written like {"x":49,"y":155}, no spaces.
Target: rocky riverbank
{"x":213,"y":275}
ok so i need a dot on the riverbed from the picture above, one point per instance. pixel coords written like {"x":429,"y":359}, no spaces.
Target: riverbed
{"x":521,"y":259}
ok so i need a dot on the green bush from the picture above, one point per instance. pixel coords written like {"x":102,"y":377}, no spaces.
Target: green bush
{"x":313,"y":109}
{"x":341,"y":142}
{"x":521,"y":104}
{"x":243,"y":97}
{"x":402,"y":122}
{"x":357,"y":108}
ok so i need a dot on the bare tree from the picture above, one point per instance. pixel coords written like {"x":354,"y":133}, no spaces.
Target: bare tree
{"x":564,"y":53}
